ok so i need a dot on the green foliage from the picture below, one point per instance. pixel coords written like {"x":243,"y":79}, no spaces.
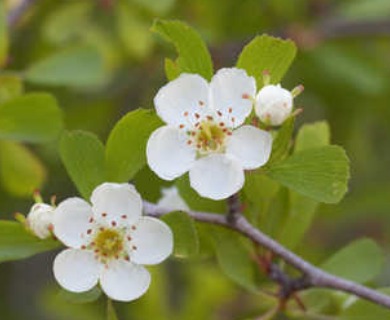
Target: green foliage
{"x":267,"y":53}
{"x":77,"y":67}
{"x":360,"y":261}
{"x":319,"y":173}
{"x":193,"y":54}
{"x":4,"y":41}
{"x":235,"y":259}
{"x":33,"y":117}
{"x":11,"y":86}
{"x":185,"y":235}
{"x":21,"y":172}
{"x":126,"y":145}
{"x":282,"y":142}
{"x":111,"y":314}
{"x":81,"y":297}
{"x":16,"y":243}
{"x":312,"y":135}
{"x":83,"y":156}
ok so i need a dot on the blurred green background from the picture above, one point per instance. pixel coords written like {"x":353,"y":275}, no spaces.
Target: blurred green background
{"x":343,"y":61}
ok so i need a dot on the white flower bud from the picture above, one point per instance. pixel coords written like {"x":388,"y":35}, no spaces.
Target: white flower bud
{"x":39,"y":220}
{"x":172,"y":200}
{"x":273,"y":104}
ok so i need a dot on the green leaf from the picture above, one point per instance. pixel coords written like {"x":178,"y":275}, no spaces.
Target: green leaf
{"x":134,"y":32}
{"x":80,"y":297}
{"x":158,"y":7}
{"x":360,"y":261}
{"x":365,"y":310}
{"x":10,"y":87}
{"x":83,"y":156}
{"x":195,"y":201}
{"x":185,"y":235}
{"x":312,"y":136}
{"x":16,"y":243}
{"x":4,"y":41}
{"x":319,"y":173}
{"x":234,"y":258}
{"x":126,"y":145}
{"x":282,"y":142}
{"x":267,"y":53}
{"x":75,"y":67}
{"x":111,"y":314}
{"x":21,"y":172}
{"x":33,"y":117}
{"x":194,"y":56}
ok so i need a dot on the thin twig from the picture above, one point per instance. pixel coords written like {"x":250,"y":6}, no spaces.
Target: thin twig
{"x":314,"y":276}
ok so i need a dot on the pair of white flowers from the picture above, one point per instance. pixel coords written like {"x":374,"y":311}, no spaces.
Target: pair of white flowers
{"x":205,"y":132}
{"x":108,"y":242}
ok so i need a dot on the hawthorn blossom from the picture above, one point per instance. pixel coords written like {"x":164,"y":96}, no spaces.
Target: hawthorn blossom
{"x":205,"y":133}
{"x":274,"y":104}
{"x":171,"y":200}
{"x":39,"y":220}
{"x":109,"y":242}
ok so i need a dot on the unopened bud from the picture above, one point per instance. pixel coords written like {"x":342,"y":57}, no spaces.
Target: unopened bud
{"x":39,"y":220}
{"x":273,"y":104}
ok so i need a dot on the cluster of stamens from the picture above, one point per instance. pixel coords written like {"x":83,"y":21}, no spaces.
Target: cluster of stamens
{"x":109,"y":241}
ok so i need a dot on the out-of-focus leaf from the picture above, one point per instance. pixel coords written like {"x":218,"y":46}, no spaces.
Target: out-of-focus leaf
{"x":81,"y":297}
{"x":34,"y":117}
{"x":75,"y":67}
{"x":111,"y":313}
{"x":16,"y":243}
{"x":158,"y":7}
{"x":319,"y":173}
{"x":67,"y":22}
{"x":83,"y":156}
{"x":234,"y":258}
{"x":312,"y":136}
{"x":186,"y":242}
{"x":126,"y":145}
{"x":194,"y":56}
{"x":282,"y":142}
{"x":21,"y":172}
{"x":134,"y":32}
{"x":364,"y":9}
{"x":195,"y":201}
{"x":10,"y":87}
{"x":360,"y":261}
{"x":267,"y":53}
{"x":364,"y":310}
{"x":4,"y":41}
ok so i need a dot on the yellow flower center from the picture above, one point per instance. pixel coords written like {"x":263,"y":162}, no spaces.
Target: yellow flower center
{"x":108,"y":244}
{"x":210,"y":137}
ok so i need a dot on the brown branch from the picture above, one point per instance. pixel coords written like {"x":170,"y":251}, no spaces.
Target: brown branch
{"x":313,"y":276}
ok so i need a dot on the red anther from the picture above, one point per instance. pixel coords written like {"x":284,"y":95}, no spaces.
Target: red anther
{"x":230,"y":110}
{"x":51,"y":227}
{"x":127,"y":258}
{"x":197,"y":124}
{"x":96,"y":250}
{"x":201,"y":103}
{"x":186,"y":113}
{"x":189,"y":142}
{"x":221,"y":124}
{"x":133,"y":227}
{"x":210,"y":118}
{"x":198,"y":146}
{"x":113,"y":223}
{"x":266,"y":73}
{"x":181,"y":126}
{"x":245,"y":96}
{"x":233,"y":119}
{"x":104,"y":214}
{"x":193,"y":133}
{"x":124,"y":216}
{"x":101,"y":229}
{"x":89,"y":231}
{"x":197,"y":116}
{"x":90,"y":220}
{"x":229,"y":133}
{"x":83,"y":247}
{"x":128,"y":238}
{"x":219,"y":113}
{"x":134,"y":247}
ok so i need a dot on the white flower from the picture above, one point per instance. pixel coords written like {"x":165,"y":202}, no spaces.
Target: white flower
{"x":109,"y":242}
{"x":273,"y":104}
{"x":205,"y":134}
{"x":39,"y":220}
{"x":171,"y":200}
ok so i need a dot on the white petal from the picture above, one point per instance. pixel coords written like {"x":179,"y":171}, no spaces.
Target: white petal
{"x":76,"y":270}
{"x":250,"y":146}
{"x":188,"y":93}
{"x":153,"y":240}
{"x":168,"y":153}
{"x":119,"y":202}
{"x":171,"y":200}
{"x":232,"y":93}
{"x":71,"y":222}
{"x":217,"y":176}
{"x":124,"y":281}
{"x":40,"y":218}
